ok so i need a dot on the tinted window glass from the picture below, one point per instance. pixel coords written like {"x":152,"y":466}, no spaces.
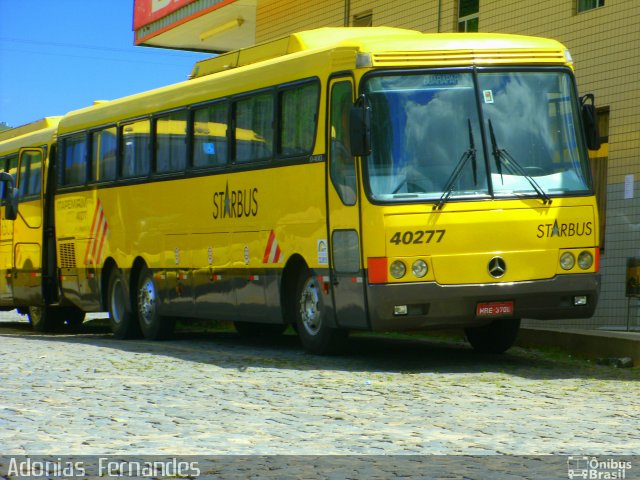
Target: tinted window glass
{"x":103,"y":166}
{"x":254,"y":128}
{"x":210,"y":136}
{"x":298,"y":119}
{"x":342,"y":166}
{"x":75,"y":160}
{"x":135,"y":145}
{"x":29,"y":180}
{"x":171,"y":143}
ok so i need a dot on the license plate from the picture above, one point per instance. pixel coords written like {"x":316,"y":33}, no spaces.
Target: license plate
{"x":494,"y":309}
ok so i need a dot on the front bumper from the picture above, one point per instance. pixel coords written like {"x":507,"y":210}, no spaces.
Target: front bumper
{"x":430,"y":305}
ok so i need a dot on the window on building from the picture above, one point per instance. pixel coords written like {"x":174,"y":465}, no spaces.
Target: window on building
{"x":585,"y":5}
{"x":468,"y":15}
{"x":364,"y":19}
{"x":599,"y":170}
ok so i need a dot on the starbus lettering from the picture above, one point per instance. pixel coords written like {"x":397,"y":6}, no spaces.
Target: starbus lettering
{"x":235,"y":203}
{"x":571,"y":229}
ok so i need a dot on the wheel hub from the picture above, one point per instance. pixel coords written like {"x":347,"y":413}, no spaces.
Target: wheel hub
{"x":147,"y":301}
{"x":309,"y":308}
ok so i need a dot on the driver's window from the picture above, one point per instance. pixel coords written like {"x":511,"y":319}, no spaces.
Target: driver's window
{"x":342,"y":166}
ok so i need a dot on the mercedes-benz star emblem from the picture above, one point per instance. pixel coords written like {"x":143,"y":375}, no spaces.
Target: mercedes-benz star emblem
{"x":497,"y":267}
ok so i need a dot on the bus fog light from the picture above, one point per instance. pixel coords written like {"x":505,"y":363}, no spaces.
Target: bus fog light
{"x":579,"y":300}
{"x":397,"y":269}
{"x":400,"y":310}
{"x":585,"y":260}
{"x":567,"y":261}
{"x":419,"y":268}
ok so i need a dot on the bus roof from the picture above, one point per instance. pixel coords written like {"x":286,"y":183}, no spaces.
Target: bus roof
{"x":34,"y":134}
{"x":318,"y":53}
{"x":41,"y":124}
{"x":384,"y":39}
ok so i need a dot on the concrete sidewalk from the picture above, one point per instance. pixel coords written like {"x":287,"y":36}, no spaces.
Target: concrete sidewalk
{"x":592,"y":344}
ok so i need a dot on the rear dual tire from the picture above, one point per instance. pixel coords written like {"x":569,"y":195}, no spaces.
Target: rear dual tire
{"x":144,"y":320}
{"x":153,"y":325}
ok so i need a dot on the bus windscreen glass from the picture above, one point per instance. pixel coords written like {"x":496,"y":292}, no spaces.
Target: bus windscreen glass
{"x":427,"y":139}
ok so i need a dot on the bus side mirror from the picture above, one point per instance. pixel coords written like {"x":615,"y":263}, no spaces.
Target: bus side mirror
{"x":360,"y":130}
{"x":10,"y":196}
{"x":590,"y":121}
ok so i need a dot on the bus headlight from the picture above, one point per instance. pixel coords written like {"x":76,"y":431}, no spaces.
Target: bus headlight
{"x":397,"y":269}
{"x":567,"y":261}
{"x":585,"y":260}
{"x":419,"y":268}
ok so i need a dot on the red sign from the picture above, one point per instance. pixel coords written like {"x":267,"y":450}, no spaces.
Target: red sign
{"x":148,"y":11}
{"x":494,"y":309}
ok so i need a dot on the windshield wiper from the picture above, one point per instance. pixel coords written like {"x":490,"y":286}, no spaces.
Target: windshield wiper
{"x":503,"y":158}
{"x":470,"y":153}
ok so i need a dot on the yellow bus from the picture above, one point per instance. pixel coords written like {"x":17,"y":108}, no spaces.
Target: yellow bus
{"x":362,"y":179}
{"x":27,"y":261}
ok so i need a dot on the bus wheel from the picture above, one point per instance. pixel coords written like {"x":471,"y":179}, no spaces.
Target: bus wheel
{"x":44,"y":319}
{"x":255,"y":329}
{"x":153,"y":326}
{"x":496,"y":337}
{"x":316,"y":336}
{"x":123,"y":321}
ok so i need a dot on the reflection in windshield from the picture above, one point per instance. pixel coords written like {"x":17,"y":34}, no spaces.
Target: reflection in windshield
{"x":533,"y":119}
{"x":422,"y":123}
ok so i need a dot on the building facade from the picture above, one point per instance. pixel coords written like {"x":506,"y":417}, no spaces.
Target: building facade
{"x":603,"y":37}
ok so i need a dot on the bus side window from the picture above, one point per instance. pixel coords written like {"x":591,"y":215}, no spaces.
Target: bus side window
{"x":254,"y":118}
{"x":29,"y":180}
{"x":103,"y":166}
{"x":342,"y":166}
{"x":74,"y":165}
{"x":3,"y":167}
{"x":210,"y":135}
{"x":298,"y":114}
{"x":135,"y":143}
{"x":171,"y":142}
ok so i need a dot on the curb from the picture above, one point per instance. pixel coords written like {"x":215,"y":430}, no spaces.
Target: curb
{"x":592,"y":344}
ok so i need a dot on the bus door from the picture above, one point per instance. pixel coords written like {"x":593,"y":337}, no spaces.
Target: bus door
{"x":27,"y":253}
{"x":347,"y":274}
{"x":6,"y":242}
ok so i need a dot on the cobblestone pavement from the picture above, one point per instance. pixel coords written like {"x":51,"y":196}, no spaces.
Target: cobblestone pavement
{"x":217,"y":393}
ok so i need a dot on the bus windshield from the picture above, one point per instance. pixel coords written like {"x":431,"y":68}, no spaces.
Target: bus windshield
{"x":427,"y":142}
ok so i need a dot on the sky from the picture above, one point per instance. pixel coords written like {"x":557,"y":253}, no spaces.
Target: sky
{"x":60,"y":55}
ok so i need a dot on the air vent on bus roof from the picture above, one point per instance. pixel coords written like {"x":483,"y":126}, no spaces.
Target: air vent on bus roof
{"x":466,"y":57}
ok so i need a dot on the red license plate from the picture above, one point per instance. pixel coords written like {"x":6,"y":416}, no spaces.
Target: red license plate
{"x":494,"y":309}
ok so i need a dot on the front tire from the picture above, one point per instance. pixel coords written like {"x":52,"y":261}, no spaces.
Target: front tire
{"x":496,"y":337}
{"x":316,"y":336}
{"x":124,"y":323}
{"x":153,"y":326}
